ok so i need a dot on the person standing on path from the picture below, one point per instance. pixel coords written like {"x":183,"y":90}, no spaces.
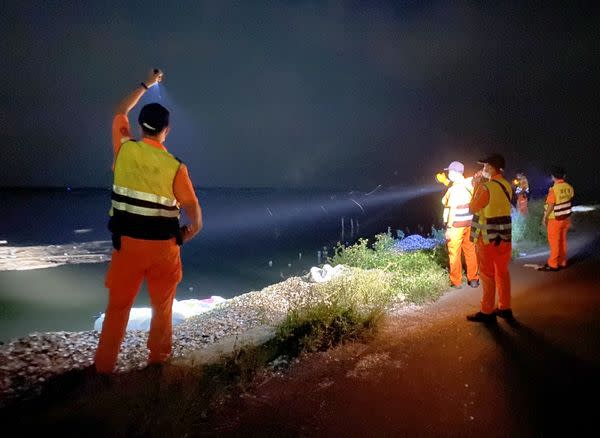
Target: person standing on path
{"x":457,"y":218}
{"x":557,"y":219}
{"x":150,"y":186}
{"x":491,"y":232}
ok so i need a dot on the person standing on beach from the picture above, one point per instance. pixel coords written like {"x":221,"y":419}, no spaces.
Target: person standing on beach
{"x":492,"y":233}
{"x":150,"y":186}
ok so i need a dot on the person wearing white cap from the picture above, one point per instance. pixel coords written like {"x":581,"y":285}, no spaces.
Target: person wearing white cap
{"x":457,"y":219}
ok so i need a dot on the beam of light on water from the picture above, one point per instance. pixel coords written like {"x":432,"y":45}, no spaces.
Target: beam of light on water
{"x":584,"y":208}
{"x":318,"y":208}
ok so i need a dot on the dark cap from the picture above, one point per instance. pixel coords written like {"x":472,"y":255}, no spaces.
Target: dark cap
{"x":153,"y":118}
{"x":558,"y":172}
{"x":495,"y":160}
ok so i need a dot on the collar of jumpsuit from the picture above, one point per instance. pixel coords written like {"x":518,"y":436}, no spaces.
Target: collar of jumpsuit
{"x":154,"y":143}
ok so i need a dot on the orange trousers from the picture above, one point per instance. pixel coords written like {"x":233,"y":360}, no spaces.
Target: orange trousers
{"x":493,"y":270}
{"x":557,"y":240}
{"x":459,"y":243}
{"x":157,"y":261}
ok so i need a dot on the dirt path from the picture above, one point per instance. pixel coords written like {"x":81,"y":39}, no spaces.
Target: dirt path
{"x":431,"y":373}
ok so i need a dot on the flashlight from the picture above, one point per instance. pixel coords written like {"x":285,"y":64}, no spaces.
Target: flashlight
{"x":442,"y":178}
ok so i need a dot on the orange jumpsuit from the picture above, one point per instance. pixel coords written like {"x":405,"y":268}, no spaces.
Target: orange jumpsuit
{"x":157,"y":261}
{"x":456,"y":200}
{"x":558,"y":227}
{"x":493,"y":261}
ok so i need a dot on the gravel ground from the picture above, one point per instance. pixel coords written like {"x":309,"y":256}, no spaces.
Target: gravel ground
{"x":28,"y":362}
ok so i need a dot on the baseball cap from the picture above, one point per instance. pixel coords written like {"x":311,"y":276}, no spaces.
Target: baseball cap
{"x":495,"y":160}
{"x":457,"y":166}
{"x":154,"y":117}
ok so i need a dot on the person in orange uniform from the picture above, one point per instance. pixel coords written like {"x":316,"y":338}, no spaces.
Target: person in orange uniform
{"x":557,"y":213}
{"x":150,"y":186}
{"x":491,"y":232}
{"x":457,"y":218}
{"x":521,"y":193}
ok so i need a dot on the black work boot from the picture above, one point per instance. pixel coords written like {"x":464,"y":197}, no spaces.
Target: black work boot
{"x":504,"y":314}
{"x":486,"y":318}
{"x":474,"y":283}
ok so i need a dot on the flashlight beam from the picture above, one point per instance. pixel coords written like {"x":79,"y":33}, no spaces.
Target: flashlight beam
{"x":361,"y":207}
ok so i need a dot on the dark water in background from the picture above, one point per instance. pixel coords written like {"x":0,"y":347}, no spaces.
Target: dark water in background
{"x":244,"y":229}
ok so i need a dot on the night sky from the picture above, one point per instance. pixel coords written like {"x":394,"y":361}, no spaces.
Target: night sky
{"x":303,"y":94}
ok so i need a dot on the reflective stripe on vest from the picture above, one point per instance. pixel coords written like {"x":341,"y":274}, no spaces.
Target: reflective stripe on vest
{"x":563,"y":196}
{"x":143,"y":202}
{"x":462,"y":216}
{"x":493,"y":222}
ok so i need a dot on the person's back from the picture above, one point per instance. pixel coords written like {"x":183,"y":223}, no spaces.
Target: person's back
{"x":557,"y":214}
{"x":149,"y":188}
{"x":457,"y":219}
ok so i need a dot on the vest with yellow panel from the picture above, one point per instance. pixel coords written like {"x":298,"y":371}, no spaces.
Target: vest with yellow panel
{"x":143,"y":202}
{"x":493,"y":222}
{"x":563,"y":196}
{"x":456,"y":204}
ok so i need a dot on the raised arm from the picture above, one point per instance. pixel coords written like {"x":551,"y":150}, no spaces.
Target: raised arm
{"x":134,"y":97}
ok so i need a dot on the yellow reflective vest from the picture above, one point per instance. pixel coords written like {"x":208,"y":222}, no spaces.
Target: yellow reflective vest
{"x":493,"y":222}
{"x":143,"y":202}
{"x":456,"y":204}
{"x":563,"y":196}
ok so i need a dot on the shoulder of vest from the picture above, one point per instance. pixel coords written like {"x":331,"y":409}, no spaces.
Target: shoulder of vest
{"x":180,"y":161}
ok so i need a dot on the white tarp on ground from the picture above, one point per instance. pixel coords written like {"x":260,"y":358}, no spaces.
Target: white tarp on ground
{"x":140,"y":317}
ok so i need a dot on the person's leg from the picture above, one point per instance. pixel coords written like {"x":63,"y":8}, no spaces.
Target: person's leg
{"x":485,"y":256}
{"x":553,"y":242}
{"x":124,"y":277}
{"x":163,"y":277}
{"x":503,"y":255}
{"x":454,"y":256}
{"x":562,"y":255}
{"x":468,"y":248}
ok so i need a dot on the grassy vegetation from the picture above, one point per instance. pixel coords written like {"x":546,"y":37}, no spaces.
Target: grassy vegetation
{"x":527,"y":231}
{"x":419,"y":276}
{"x":349,"y":307}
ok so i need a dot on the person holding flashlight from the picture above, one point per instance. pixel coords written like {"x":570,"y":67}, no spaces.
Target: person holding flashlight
{"x":492,"y":233}
{"x":150,"y":187}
